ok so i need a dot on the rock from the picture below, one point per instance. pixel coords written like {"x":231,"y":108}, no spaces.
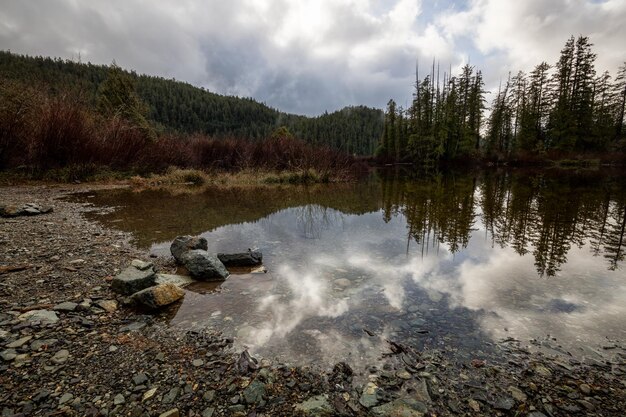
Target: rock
{"x":585,"y":389}
{"x":8,"y":355}
{"x":368,"y":396}
{"x":61,"y":357}
{"x":140,"y":378}
{"x":107,"y":305}
{"x":149,"y":394}
{"x":119,"y":399}
{"x":342,"y":282}
{"x":141,"y":265}
{"x":19,"y":342}
{"x":517,"y":394}
{"x":170,"y":413}
{"x":541,"y":370}
{"x":474,"y":405}
{"x":170,"y":397}
{"x":402,"y":407}
{"x":132,"y":327}
{"x":315,"y":406}
{"x":250,"y":258}
{"x":203,"y":266}
{"x":178,"y":280}
{"x":197,"y":363}
{"x":208,"y":412}
{"x":66,"y":306}
{"x":43,"y":316}
{"x":504,"y":403}
{"x":29,"y":209}
{"x":536,"y":414}
{"x":159,"y":296}
{"x":254,"y":393}
{"x":132,"y":280}
{"x":403,"y":374}
{"x":183,"y":244}
{"x":65,"y":398}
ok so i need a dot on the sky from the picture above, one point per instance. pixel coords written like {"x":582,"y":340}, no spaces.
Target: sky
{"x":307,"y":57}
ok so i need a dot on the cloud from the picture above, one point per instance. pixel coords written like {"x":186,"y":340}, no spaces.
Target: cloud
{"x":307,"y":57}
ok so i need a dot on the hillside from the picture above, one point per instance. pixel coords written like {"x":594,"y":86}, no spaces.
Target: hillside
{"x":178,"y":106}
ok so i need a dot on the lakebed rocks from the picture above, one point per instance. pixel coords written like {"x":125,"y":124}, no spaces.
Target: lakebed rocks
{"x":28,"y":209}
{"x":97,"y":361}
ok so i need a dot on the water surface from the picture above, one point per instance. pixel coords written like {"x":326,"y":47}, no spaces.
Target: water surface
{"x":448,"y":261}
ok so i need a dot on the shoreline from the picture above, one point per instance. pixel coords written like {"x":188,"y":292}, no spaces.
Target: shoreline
{"x":100,"y":360}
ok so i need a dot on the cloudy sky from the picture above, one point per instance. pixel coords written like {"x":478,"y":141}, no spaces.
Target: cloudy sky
{"x":311,"y":56}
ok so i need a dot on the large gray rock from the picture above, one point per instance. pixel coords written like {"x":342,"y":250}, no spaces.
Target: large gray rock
{"x":183,"y":244}
{"x":250,"y":258}
{"x":42,"y":316}
{"x":203,"y":266}
{"x":131,"y":280}
{"x":159,"y":296}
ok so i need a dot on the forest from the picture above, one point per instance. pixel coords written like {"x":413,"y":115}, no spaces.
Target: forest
{"x":557,"y":110}
{"x":177,"y":107}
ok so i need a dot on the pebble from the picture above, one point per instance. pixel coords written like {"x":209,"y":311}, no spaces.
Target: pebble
{"x":65,"y":398}
{"x":19,"y":342}
{"x":170,"y":413}
{"x":119,"y":399}
{"x":517,"y":394}
{"x":585,"y":389}
{"x":60,"y":357}
{"x":197,"y":362}
{"x":66,"y":306}
{"x":149,"y":394}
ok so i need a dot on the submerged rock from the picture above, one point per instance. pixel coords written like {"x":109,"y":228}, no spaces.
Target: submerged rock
{"x":159,"y":296}
{"x":132,"y":279}
{"x":250,"y":258}
{"x":183,"y":244}
{"x":203,"y":266}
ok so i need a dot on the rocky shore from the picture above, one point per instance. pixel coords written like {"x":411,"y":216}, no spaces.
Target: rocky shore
{"x":70,"y":345}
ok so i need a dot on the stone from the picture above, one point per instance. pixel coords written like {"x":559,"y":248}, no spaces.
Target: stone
{"x":203,"y":266}
{"x":149,"y":394}
{"x":517,"y":394}
{"x":585,"y":389}
{"x":316,"y":406}
{"x":132,"y":280}
{"x":170,"y":413}
{"x":536,"y":414}
{"x":183,"y":244}
{"x":208,"y":412}
{"x":368,"y":396}
{"x":66,"y":306}
{"x":249,"y":258}
{"x":19,"y":342}
{"x":402,"y":407}
{"x":403,"y":374}
{"x":107,"y":305}
{"x":141,"y":265}
{"x":342,"y":282}
{"x":254,"y":393}
{"x":8,"y":355}
{"x":61,"y":357}
{"x":67,"y":397}
{"x":178,"y":280}
{"x":197,"y":363}
{"x":170,"y":397}
{"x":504,"y":403}
{"x":474,"y":405}
{"x":43,"y":316}
{"x":119,"y":399}
{"x":140,"y":378}
{"x":158,"y":296}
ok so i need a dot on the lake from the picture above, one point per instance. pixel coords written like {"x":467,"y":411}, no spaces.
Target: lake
{"x":456,"y":261}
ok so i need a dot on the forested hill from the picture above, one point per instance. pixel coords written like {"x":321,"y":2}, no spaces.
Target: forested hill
{"x":178,"y":106}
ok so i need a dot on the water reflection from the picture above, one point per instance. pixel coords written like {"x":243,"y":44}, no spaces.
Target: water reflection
{"x":452,"y":261}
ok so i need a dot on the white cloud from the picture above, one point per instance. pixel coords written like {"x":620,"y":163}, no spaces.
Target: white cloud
{"x":311,"y":56}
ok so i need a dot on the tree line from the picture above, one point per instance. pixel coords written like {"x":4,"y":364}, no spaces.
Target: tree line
{"x":565,"y":108}
{"x":173,"y":106}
